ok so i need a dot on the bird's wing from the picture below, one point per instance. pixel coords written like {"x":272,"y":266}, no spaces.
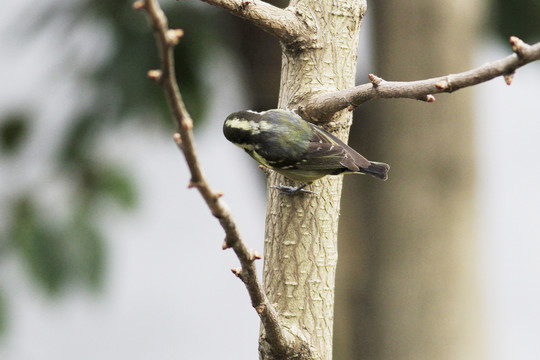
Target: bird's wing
{"x":326,"y":156}
{"x":328,"y":152}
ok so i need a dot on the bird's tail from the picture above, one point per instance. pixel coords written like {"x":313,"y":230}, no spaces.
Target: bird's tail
{"x":377,"y":169}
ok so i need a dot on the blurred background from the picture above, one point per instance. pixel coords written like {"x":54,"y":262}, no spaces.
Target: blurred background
{"x":106,"y":254}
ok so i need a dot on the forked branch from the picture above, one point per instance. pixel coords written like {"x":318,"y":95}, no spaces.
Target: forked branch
{"x":166,"y":39}
{"x":321,"y":107}
{"x":285,"y":24}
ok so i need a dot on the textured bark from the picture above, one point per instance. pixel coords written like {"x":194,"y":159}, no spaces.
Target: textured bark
{"x":415,"y":287}
{"x":300,"y":254}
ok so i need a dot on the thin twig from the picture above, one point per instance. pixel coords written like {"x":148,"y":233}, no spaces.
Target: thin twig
{"x":166,"y":38}
{"x":322,"y":106}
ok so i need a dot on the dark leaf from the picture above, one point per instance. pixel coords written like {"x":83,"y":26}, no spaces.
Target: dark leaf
{"x":116,"y":185}
{"x":79,"y":138}
{"x":13,"y":130}
{"x":87,"y":250}
{"x":41,"y":246}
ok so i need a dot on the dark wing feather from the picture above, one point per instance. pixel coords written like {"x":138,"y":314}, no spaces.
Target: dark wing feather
{"x":326,"y":156}
{"x":327,"y":150}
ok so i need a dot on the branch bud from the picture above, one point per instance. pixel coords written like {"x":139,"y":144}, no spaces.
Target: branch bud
{"x":442,"y":85}
{"x":245,"y":4}
{"x":427,"y":98}
{"x":225,"y":244}
{"x":177,"y":139}
{"x":509,"y":77}
{"x":265,"y":170}
{"x":219,"y":194}
{"x":155,"y":75}
{"x":187,"y":123}
{"x":517,"y":46}
{"x":375,"y":80}
{"x":139,"y":5}
{"x":174,"y":35}
{"x":237,"y":271}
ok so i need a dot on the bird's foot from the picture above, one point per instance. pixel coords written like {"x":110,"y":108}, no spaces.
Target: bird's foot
{"x":293,"y":190}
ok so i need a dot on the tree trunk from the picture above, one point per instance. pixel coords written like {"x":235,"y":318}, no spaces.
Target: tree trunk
{"x":300,"y":253}
{"x":414,"y":282}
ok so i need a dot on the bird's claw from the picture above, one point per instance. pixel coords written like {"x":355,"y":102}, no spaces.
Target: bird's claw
{"x":293,"y":190}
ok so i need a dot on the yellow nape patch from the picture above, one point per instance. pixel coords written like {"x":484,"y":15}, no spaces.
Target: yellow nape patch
{"x":265,"y":126}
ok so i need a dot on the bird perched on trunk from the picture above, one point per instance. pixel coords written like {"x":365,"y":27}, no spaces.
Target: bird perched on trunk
{"x":281,"y":140}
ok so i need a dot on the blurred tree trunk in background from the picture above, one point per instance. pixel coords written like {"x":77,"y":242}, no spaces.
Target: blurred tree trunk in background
{"x":260,"y":54}
{"x":407,"y":272}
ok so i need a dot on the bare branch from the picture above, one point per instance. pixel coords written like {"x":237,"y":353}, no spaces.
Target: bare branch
{"x":285,"y":24}
{"x":280,"y":340}
{"x":322,"y":106}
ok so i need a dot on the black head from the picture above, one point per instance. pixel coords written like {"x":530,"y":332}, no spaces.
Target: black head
{"x":240,"y":126}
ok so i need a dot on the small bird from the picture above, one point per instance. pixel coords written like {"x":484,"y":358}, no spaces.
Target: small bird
{"x":281,"y":140}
